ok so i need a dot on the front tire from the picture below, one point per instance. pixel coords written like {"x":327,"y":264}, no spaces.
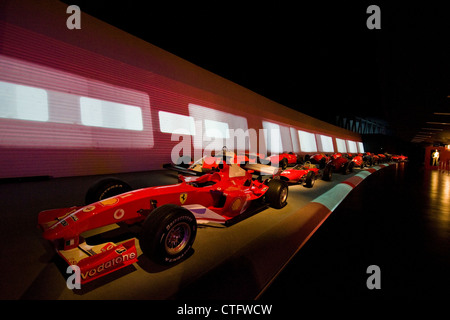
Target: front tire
{"x":348,"y":167}
{"x":327,"y":173}
{"x":105,"y":188}
{"x":310,"y":179}
{"x":168,"y":234}
{"x":277,"y":194}
{"x":284,"y":163}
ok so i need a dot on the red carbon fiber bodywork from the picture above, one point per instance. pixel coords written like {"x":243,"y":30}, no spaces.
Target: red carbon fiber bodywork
{"x":227,"y":193}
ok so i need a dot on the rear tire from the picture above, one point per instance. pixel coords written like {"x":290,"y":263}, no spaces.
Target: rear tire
{"x":322,"y":163}
{"x":168,"y":234}
{"x":284,"y":163}
{"x":310,"y":179}
{"x":327,"y":173}
{"x":277,"y":194}
{"x":184,"y":161}
{"x":348,"y":167}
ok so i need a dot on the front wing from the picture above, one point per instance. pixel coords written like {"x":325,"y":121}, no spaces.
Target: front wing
{"x":100,"y":260}
{"x":95,"y":261}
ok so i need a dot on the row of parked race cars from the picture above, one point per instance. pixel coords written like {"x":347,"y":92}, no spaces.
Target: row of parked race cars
{"x":322,"y":165}
{"x":302,"y":169}
{"x":214,"y":189}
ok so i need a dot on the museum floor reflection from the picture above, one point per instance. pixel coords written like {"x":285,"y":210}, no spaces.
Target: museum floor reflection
{"x":399,"y":220}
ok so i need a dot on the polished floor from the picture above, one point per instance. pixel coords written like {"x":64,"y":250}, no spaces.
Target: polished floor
{"x":398,"y":220}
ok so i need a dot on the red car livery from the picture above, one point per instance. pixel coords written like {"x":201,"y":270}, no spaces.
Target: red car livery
{"x":167,"y":216}
{"x":305,"y":174}
{"x":283,"y":159}
{"x":357,"y":159}
{"x":208,"y":163}
{"x":340,"y":163}
{"x":399,"y":158}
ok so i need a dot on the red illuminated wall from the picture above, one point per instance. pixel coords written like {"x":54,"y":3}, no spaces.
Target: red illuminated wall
{"x":72,"y":77}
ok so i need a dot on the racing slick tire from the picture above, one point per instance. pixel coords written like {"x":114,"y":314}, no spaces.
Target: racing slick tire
{"x":167,"y":234}
{"x":284,"y":163}
{"x":327,"y":173}
{"x":310,"y":179}
{"x":348,"y":167}
{"x":105,"y":188}
{"x":322,"y":163}
{"x":277,"y":194}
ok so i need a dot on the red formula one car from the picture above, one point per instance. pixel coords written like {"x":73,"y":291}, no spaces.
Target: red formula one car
{"x":337,"y":162}
{"x":371,"y":159}
{"x":319,"y":159}
{"x":305,"y":174}
{"x":357,"y":159}
{"x":283,"y":159}
{"x":399,"y":158}
{"x":382,"y":157}
{"x":166,"y":217}
{"x":208,"y":163}
{"x":341,"y":163}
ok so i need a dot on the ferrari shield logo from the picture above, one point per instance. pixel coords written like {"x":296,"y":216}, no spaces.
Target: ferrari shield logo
{"x":183,"y":197}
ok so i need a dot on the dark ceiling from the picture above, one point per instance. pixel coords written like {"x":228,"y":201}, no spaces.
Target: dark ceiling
{"x":320,"y":59}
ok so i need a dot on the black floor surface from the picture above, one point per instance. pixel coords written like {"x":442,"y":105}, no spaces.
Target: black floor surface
{"x":399,"y":220}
